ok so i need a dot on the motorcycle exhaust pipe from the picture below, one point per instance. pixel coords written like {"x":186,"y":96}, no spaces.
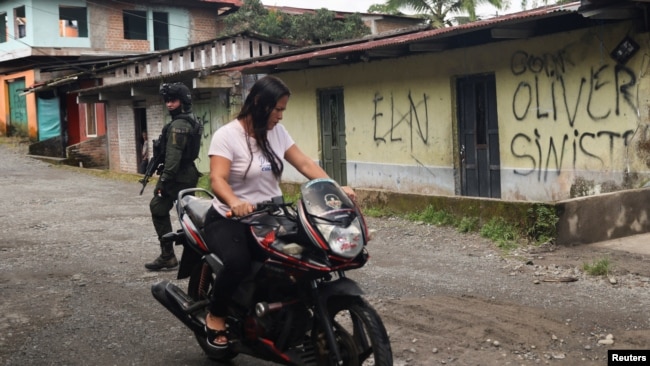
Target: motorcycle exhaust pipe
{"x":179,"y":304}
{"x":264,"y":308}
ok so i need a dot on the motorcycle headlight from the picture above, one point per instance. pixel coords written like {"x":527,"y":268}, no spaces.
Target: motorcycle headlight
{"x":346,"y":242}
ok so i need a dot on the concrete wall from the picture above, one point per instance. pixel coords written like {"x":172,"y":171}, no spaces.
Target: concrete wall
{"x":603,"y":217}
{"x":571,"y":120}
{"x":581,"y":220}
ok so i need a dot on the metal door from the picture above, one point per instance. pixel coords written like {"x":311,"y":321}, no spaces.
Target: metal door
{"x":17,"y":109}
{"x":332,"y":122}
{"x":478,"y":138}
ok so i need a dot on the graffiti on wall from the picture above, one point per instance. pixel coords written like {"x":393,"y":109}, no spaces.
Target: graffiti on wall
{"x":553,"y":94}
{"x":397,"y":125}
{"x":204,"y":120}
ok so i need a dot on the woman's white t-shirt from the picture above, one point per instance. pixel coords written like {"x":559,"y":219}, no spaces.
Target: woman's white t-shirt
{"x":260,"y":184}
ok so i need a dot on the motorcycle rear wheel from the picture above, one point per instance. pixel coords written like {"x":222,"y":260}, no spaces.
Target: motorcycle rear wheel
{"x":198,"y":288}
{"x":360,"y":333}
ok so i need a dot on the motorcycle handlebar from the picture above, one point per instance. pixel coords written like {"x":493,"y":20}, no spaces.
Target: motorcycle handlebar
{"x":231,"y":215}
{"x":260,"y":207}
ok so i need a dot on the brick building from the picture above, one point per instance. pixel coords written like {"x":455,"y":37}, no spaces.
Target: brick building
{"x":52,"y":48}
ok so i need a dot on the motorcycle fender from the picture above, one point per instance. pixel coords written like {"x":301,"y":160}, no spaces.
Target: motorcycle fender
{"x":341,"y":287}
{"x":189,"y":260}
{"x":215,"y":263}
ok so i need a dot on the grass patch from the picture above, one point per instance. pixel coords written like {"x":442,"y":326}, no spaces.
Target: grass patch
{"x":600,"y":267}
{"x":542,"y":224}
{"x":432,"y":216}
{"x":468,"y":224}
{"x":503,"y":233}
{"x":506,"y":235}
{"x":372,"y":211}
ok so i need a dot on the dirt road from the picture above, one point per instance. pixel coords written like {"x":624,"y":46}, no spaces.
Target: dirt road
{"x":74,"y":290}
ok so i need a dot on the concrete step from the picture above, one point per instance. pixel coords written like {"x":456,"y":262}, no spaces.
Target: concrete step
{"x":49,"y":159}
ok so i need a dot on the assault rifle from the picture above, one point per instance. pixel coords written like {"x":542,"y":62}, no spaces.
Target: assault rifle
{"x":156,"y":164}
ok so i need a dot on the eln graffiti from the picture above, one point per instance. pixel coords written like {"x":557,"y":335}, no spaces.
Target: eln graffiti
{"x":416,"y":120}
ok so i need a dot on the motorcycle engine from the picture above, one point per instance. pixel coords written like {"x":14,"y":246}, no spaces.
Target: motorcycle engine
{"x":286,"y":327}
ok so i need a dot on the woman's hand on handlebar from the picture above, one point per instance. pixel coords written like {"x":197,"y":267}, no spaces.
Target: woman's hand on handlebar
{"x":240,"y":208}
{"x":350,"y":192}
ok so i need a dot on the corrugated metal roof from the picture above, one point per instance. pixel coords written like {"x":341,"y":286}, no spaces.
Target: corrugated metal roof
{"x":238,"y":3}
{"x":377,"y":43}
{"x":431,"y":34}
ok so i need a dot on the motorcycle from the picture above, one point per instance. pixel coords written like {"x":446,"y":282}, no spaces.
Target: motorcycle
{"x":296,"y":306}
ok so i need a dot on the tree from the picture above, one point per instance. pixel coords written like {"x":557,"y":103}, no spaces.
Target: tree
{"x":310,"y":28}
{"x":437,"y":12}
{"x":384,"y":9}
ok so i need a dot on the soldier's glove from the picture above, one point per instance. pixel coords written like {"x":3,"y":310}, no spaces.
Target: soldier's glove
{"x":161,"y":188}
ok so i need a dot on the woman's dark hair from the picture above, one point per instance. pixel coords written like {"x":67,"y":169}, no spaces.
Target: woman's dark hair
{"x":260,"y":102}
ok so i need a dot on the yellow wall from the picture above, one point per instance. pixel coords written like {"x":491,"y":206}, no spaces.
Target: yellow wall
{"x":583,"y":95}
{"x":562,"y":90}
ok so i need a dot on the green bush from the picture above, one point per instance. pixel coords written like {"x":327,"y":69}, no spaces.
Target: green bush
{"x":501,"y":232}
{"x":599,"y":267}
{"x":468,"y":224}
{"x":432,"y":216}
{"x":542,"y":223}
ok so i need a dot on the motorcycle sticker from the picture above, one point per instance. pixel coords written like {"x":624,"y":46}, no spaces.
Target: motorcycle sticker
{"x":332,"y":201}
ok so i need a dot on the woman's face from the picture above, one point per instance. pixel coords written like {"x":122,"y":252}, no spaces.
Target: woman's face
{"x":276,"y":113}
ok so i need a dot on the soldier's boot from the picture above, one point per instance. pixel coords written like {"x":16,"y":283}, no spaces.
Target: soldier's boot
{"x":166,"y":259}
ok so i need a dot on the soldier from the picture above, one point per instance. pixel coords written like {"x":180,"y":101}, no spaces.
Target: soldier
{"x":179,"y":147}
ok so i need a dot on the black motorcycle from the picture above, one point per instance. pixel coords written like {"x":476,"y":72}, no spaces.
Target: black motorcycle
{"x":296,"y":307}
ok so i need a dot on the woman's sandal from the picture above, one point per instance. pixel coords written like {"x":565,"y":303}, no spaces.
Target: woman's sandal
{"x":213,"y":335}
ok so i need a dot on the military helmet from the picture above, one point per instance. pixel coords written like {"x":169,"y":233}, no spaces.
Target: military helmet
{"x":176,"y":91}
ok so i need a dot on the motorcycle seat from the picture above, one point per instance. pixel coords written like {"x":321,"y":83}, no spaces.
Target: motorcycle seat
{"x":197,"y":208}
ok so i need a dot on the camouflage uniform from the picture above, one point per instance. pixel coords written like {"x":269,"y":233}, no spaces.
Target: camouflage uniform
{"x":179,"y":170}
{"x":179,"y":173}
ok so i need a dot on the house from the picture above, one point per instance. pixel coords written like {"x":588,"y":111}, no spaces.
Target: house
{"x":149,"y":42}
{"x":541,"y":105}
{"x":132,"y":102}
{"x":53,"y":47}
{"x":546,"y":106}
{"x":129,"y":90}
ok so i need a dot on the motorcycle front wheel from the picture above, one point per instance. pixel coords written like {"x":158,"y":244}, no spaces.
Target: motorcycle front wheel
{"x":359,"y":332}
{"x":198,"y":288}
